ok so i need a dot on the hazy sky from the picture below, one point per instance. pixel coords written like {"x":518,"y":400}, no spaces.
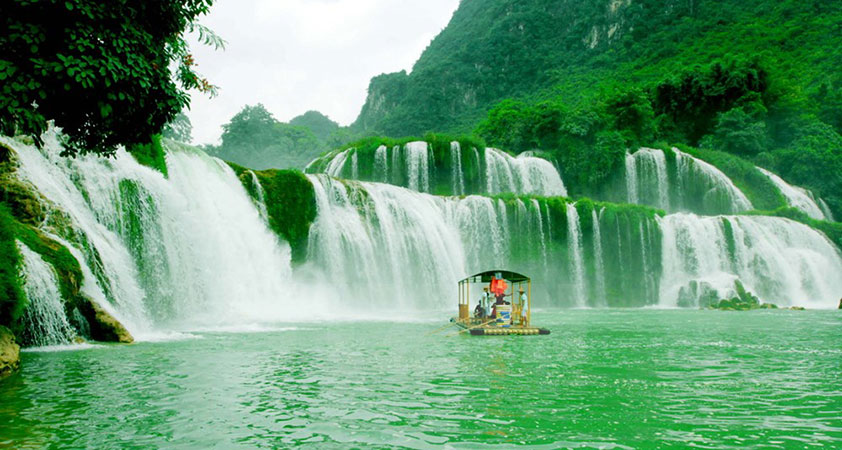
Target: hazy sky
{"x":298,"y":55}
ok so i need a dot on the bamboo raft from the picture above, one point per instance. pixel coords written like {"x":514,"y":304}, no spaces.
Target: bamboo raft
{"x":512,"y":317}
{"x":478,"y":329}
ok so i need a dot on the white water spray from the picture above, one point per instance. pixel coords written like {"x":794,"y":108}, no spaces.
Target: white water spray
{"x":574,"y":248}
{"x":797,"y":197}
{"x":779,"y":260}
{"x":44,"y":318}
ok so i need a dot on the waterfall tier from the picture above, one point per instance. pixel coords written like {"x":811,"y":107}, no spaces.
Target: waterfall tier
{"x":156,"y":251}
{"x":447,"y":171}
{"x":800,"y":198}
{"x":782,"y":261}
{"x":196,"y":248}
{"x":680,"y":183}
{"x":377,"y":239}
{"x":44,"y":319}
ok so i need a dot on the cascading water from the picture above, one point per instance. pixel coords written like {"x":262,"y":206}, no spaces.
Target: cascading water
{"x":522,"y":175}
{"x":378,"y":243}
{"x":457,"y":175}
{"x":355,"y":166}
{"x":646,"y":178}
{"x":631,"y":179}
{"x":381,"y":164}
{"x":418,"y":165}
{"x":44,"y":319}
{"x":700,"y":178}
{"x":574,"y":246}
{"x":191,"y":248}
{"x":260,"y":200}
{"x":781,"y":261}
{"x":599,"y":263}
{"x":696,"y":185}
{"x":826,"y":210}
{"x":385,"y":246}
{"x":414,"y":166}
{"x":335,"y":166}
{"x":798,"y":197}
{"x":194,"y":248}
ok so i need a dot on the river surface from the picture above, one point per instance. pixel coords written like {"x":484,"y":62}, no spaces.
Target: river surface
{"x":603,"y":378}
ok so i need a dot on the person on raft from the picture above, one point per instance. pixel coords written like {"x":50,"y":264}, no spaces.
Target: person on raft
{"x":524,"y":305}
{"x":479,"y":312}
{"x":500,"y":296}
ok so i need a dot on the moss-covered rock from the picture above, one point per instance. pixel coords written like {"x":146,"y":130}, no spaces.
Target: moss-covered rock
{"x":9,"y":353}
{"x":290,"y":202}
{"x":103,"y":326}
{"x":151,"y":154}
{"x":743,"y":301}
{"x":12,"y":299}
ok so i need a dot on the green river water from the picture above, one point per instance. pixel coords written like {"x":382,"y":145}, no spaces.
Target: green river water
{"x":603,"y":378}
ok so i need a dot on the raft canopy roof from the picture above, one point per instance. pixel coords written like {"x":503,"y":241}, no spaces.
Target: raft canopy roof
{"x":485,"y":277}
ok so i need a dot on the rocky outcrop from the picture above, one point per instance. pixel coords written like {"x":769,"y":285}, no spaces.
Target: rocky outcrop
{"x":9,"y":353}
{"x":103,"y":326}
{"x":745,"y":301}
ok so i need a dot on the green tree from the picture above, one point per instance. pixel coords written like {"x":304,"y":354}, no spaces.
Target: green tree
{"x":103,"y":71}
{"x":632,"y":115}
{"x":692,"y":100}
{"x":738,"y":131}
{"x":321,"y":126}
{"x":180,"y":129}
{"x":255,"y":139}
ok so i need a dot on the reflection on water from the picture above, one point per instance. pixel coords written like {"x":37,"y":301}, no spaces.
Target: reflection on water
{"x":603,"y":378}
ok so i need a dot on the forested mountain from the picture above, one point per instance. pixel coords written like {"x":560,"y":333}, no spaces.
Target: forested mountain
{"x":585,"y":80}
{"x":497,"y":49}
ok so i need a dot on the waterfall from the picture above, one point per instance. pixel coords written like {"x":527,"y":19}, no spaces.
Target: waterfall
{"x":457,"y":176}
{"x":381,"y":164}
{"x":260,"y":201}
{"x":646,"y":178}
{"x":717,"y":191}
{"x":418,"y":166}
{"x":391,"y":248}
{"x":631,"y":179}
{"x":192,"y":249}
{"x":797,"y":197}
{"x":697,"y":186}
{"x":355,"y":166}
{"x":574,"y":245}
{"x":598,"y":259}
{"x":44,"y":320}
{"x":188,"y":249}
{"x":337,"y":163}
{"x":826,"y":210}
{"x":385,"y":246}
{"x":781,"y":261}
{"x":539,"y":227}
{"x":413,"y":165}
{"x":522,"y":175}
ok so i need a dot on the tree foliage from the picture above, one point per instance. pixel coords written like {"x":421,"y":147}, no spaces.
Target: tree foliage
{"x":108,"y":73}
{"x":254,"y":138}
{"x":180,"y":129}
